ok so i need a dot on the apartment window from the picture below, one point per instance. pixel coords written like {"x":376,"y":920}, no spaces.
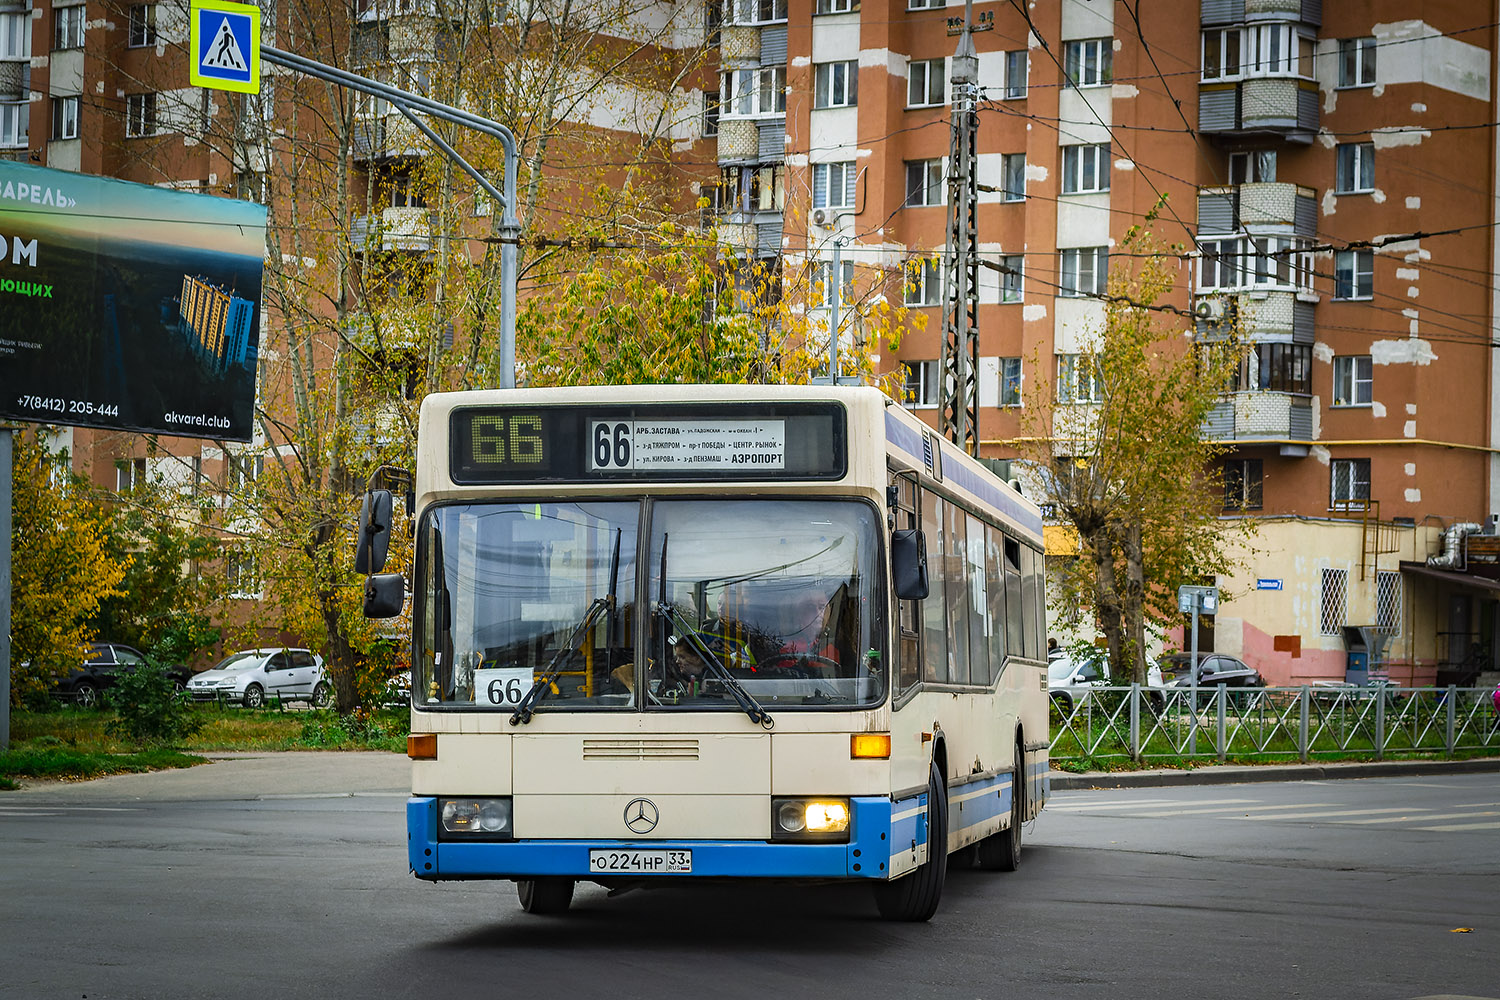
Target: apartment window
{"x":15,"y":124}
{"x":921,"y":383}
{"x":1013,"y":177}
{"x":65,"y":117}
{"x":241,"y":471}
{"x":15,"y":36}
{"x":925,"y":4}
{"x":924,"y":282}
{"x":1084,"y":271}
{"x":143,"y":24}
{"x":1354,"y":274}
{"x":1271,"y":50}
{"x":1356,"y":62}
{"x":1243,"y":484}
{"x":1087,"y":62}
{"x":1353,"y":381}
{"x":755,"y":91}
{"x":710,"y":113}
{"x":1350,"y":483}
{"x":1276,"y":368}
{"x":1356,"y":167}
{"x":836,"y":85}
{"x":754,"y":11}
{"x":1253,"y":167}
{"x":1221,"y":54}
{"x":1011,"y":272}
{"x":67,"y":27}
{"x":130,"y":473}
{"x":1388,"y":594}
{"x":1332,"y":612}
{"x":242,"y":574}
{"x":1085,"y":169}
{"x":140,"y":115}
{"x":924,"y":182}
{"x":1017,"y":67}
{"x":836,"y":6}
{"x":925,"y":83}
{"x":822,"y":282}
{"x":833,"y":185}
{"x":1079,"y":379}
{"x":1010,"y":381}
{"x":405,"y":191}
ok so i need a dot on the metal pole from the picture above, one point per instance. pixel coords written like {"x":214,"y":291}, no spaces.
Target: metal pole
{"x":6,"y":473}
{"x":1135,"y":721}
{"x":1193,"y":672}
{"x":1302,"y":722}
{"x":833,"y":319}
{"x":510,"y":225}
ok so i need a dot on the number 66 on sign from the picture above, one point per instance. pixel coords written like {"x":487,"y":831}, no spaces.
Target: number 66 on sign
{"x":501,"y":687}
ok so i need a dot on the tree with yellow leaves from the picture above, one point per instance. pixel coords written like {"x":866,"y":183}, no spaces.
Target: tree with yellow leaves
{"x":61,"y":567}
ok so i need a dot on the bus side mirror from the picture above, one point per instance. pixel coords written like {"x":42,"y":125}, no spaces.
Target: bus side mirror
{"x":385,"y":594}
{"x":374,"y":533}
{"x":909,"y":564}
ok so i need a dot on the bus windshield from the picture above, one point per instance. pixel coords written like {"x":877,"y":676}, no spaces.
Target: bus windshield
{"x":782,"y":594}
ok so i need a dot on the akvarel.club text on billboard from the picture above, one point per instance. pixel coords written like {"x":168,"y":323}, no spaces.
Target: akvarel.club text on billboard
{"x":128,"y":306}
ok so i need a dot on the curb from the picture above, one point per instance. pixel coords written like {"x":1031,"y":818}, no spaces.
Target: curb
{"x":1233,"y":775}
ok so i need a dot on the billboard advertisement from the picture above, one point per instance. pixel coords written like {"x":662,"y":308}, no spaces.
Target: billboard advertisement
{"x":127,"y":306}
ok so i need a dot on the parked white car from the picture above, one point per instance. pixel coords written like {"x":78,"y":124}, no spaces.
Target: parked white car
{"x":1071,"y":675}
{"x":254,"y":676}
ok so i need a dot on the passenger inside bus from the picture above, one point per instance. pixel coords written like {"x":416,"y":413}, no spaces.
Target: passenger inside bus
{"x":806,"y":632}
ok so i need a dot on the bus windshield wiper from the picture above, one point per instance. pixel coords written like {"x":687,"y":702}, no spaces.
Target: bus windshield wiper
{"x":600,"y":605}
{"x":686,"y":633}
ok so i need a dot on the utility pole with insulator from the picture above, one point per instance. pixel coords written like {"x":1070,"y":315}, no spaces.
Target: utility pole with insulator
{"x":958,"y":384}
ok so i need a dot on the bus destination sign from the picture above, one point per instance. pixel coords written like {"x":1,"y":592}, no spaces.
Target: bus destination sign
{"x":655,"y":441}
{"x":703,"y":443}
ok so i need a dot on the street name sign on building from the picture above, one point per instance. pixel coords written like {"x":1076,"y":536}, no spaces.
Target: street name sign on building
{"x":224,"y":41}
{"x":1263,"y":583}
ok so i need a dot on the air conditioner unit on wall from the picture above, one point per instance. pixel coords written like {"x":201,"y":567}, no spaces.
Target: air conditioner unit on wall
{"x":1211,"y":309}
{"x":822,"y":216}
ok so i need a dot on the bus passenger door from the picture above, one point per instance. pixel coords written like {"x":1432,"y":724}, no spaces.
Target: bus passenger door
{"x":911,"y":730}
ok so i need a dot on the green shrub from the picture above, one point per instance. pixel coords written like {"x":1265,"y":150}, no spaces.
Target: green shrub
{"x":150,"y":709}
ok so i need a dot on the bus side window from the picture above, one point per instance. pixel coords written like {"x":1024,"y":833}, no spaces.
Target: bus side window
{"x":934,"y":609}
{"x":994,"y":571}
{"x":908,"y":613}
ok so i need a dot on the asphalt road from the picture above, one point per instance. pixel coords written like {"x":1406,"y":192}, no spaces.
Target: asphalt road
{"x":285,"y":875}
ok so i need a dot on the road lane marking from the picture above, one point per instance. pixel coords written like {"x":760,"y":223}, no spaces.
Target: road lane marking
{"x":1422,"y":819}
{"x":1457,"y":827}
{"x":1150,"y":803}
{"x":1405,"y":810}
{"x":1229,"y":811}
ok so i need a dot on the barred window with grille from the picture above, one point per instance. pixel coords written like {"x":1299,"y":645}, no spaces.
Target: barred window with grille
{"x":1388,"y":594}
{"x":1334,"y":601}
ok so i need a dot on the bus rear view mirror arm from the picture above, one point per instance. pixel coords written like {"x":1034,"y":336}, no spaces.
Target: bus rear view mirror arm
{"x":909,"y":564}
{"x":385,"y":594}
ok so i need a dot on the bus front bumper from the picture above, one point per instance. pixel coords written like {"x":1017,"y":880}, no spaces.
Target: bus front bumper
{"x":866,"y":854}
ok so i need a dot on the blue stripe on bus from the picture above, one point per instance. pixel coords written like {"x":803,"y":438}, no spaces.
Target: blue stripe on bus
{"x":979,"y":802}
{"x":864,"y":856}
{"x":980,"y":484}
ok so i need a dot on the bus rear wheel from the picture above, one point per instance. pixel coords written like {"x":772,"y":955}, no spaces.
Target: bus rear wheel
{"x":915,"y":897}
{"x":545,"y":895}
{"x":1001,"y":852}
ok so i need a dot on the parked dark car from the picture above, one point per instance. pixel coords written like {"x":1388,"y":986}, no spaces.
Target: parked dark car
{"x":101,"y":664}
{"x":1218,"y":670}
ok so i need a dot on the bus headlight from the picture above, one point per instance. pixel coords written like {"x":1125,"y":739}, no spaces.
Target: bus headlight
{"x":810,"y":819}
{"x":479,"y":819}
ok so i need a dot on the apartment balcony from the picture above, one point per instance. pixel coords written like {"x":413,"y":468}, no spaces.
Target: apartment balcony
{"x":15,"y":79}
{"x":386,"y":136}
{"x":1221,"y":12}
{"x":1271,"y":313}
{"x":398,"y":228}
{"x":1260,"y":416}
{"x":1284,"y":108}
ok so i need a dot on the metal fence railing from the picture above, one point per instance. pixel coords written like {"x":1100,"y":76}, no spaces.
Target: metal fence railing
{"x":1138,"y":723}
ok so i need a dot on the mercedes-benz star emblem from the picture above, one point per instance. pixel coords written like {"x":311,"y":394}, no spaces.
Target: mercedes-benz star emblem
{"x":641,"y":815}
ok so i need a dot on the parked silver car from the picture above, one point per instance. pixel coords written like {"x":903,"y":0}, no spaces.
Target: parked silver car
{"x":1070,"y":676}
{"x":254,"y":676}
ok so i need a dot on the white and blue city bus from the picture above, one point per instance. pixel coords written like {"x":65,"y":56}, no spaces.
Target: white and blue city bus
{"x":715,"y":632}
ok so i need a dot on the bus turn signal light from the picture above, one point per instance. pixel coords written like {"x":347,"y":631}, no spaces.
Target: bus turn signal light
{"x":422,"y":746}
{"x":870,"y":746}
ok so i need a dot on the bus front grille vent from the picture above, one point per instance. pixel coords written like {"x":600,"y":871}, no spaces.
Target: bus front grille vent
{"x":634,"y":749}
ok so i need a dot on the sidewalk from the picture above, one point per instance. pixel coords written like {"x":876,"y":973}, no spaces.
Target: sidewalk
{"x":1234,"y":774}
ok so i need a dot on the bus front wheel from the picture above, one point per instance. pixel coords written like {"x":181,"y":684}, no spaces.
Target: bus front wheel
{"x":545,"y":895}
{"x":915,"y":897}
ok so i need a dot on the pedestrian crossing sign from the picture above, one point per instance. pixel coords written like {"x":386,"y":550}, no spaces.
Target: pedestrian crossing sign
{"x":225,"y":40}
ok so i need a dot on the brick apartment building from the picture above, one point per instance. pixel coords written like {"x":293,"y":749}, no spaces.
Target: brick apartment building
{"x":1331,"y":175}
